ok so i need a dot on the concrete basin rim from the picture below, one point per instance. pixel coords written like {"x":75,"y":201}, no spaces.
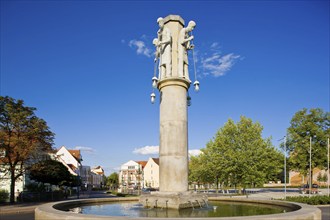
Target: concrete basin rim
{"x":54,"y":213}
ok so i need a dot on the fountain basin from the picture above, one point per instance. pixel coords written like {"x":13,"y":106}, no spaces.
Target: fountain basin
{"x":53,"y":211}
{"x":171,"y":200}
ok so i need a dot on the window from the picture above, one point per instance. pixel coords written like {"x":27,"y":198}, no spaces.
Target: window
{"x":2,"y":153}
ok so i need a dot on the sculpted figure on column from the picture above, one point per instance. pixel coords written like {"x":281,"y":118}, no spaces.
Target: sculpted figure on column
{"x":163,"y":49}
{"x":183,"y":46}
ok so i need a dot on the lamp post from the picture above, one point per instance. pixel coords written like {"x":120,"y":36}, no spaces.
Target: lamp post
{"x":310,"y":166}
{"x":285,"y":167}
{"x":328,"y":169}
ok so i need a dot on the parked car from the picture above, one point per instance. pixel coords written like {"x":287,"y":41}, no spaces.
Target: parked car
{"x":304,"y":189}
{"x":148,"y":190}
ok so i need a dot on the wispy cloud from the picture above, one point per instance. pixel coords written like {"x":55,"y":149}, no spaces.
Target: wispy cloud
{"x":155,"y":150}
{"x":215,"y":45}
{"x":85,"y":149}
{"x":210,"y":59}
{"x":215,"y":63}
{"x":109,"y":170}
{"x":194,"y":152}
{"x":140,"y":47}
{"x":147,"y":150}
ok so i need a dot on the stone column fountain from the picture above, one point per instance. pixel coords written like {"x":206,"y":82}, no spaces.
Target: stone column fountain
{"x":172,"y":46}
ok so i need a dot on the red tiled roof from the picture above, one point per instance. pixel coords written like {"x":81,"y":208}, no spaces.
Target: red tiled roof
{"x":156,"y":160}
{"x":76,"y":154}
{"x":142,"y":163}
{"x":72,"y":166}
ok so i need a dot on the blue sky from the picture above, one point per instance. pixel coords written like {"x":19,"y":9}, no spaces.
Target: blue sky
{"x":87,"y":67}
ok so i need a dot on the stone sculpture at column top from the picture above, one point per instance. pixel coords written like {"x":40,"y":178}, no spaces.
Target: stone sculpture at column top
{"x":163,"y":44}
{"x":164,"y":49}
{"x":183,"y":46}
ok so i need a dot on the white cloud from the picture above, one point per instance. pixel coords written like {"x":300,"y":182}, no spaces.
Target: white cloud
{"x":155,"y":150}
{"x":109,"y":170}
{"x":85,"y":149}
{"x":215,"y":46}
{"x":218,"y":65}
{"x":194,"y":152}
{"x":140,"y":47}
{"x":147,"y":150}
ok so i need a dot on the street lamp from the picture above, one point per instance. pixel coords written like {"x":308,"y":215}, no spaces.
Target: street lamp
{"x":310,"y":165}
{"x":152,"y":97}
{"x":196,"y":85}
{"x":154,"y":82}
{"x":285,"y":167}
{"x":328,"y":169}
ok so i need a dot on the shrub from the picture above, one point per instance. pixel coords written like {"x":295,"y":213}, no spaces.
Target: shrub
{"x":35,"y":187}
{"x":314,"y":200}
{"x":119,"y":194}
{"x":4,"y":195}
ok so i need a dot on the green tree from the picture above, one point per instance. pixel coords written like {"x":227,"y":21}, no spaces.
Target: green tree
{"x":113,"y":180}
{"x":304,"y":125}
{"x":23,"y":137}
{"x":239,"y":156}
{"x":325,"y":177}
{"x":198,"y":170}
{"x":52,"y":172}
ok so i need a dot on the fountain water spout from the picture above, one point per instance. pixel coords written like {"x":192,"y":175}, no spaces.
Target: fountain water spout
{"x":199,"y":203}
{"x":207,"y":205}
{"x":192,"y":205}
{"x":156,"y":203}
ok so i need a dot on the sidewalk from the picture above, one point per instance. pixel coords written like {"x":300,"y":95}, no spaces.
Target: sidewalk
{"x":19,"y":208}
{"x":30,"y":206}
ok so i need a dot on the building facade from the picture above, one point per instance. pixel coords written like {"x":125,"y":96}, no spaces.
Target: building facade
{"x":320,"y":177}
{"x":71,"y":159}
{"x":98,"y":178}
{"x":130,"y":176}
{"x":151,"y":173}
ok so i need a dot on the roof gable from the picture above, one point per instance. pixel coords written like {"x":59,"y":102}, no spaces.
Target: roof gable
{"x":142,"y":163}
{"x":156,"y":160}
{"x":63,"y":151}
{"x":76,"y":154}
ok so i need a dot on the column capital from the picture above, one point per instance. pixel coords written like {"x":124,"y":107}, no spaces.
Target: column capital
{"x":176,"y":18}
{"x":174,"y":81}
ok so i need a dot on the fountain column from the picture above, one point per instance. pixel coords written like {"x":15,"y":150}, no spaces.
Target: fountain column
{"x":173,"y":146}
{"x":172,"y":45}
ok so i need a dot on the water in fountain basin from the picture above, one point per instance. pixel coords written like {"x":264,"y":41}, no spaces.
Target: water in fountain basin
{"x":214,"y":209}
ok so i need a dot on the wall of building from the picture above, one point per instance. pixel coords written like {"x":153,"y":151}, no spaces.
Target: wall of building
{"x":151,"y":174}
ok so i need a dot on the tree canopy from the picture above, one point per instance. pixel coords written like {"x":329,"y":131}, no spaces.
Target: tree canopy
{"x":238,"y":156}
{"x":52,"y":172}
{"x":305,"y":126}
{"x":112,"y":180}
{"x":23,"y":137}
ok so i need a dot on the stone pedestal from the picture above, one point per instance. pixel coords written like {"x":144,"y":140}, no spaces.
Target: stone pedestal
{"x":173,"y":200}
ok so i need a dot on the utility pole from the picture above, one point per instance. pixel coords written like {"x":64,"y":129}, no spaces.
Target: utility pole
{"x":285,"y":167}
{"x":328,"y":169}
{"x":310,"y":166}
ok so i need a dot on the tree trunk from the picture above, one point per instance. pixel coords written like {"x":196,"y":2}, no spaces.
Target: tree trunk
{"x":217,"y":188}
{"x":12,"y":185}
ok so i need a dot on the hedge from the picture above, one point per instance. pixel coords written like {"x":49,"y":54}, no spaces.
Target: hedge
{"x":313,"y":200}
{"x":4,"y":195}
